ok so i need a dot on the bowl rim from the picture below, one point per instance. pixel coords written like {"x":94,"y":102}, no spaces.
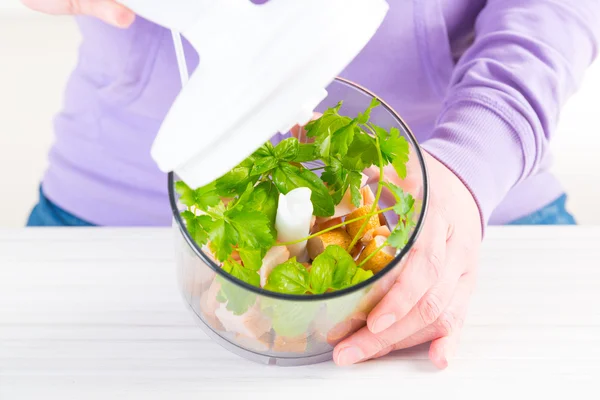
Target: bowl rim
{"x":340,"y":293}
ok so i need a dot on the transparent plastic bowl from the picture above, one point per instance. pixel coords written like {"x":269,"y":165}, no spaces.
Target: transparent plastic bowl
{"x":291,"y":330}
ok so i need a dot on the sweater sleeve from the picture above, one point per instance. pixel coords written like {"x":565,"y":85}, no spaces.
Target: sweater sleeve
{"x":507,"y":90}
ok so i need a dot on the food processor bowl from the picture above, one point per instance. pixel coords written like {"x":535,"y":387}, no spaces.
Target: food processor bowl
{"x":292,"y":330}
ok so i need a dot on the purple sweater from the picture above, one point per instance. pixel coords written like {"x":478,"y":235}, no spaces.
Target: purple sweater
{"x":481,"y":83}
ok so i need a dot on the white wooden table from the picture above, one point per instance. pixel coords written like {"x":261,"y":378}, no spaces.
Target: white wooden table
{"x":95,"y":314}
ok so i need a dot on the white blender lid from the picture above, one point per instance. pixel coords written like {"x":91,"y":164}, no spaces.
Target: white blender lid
{"x":263,"y":70}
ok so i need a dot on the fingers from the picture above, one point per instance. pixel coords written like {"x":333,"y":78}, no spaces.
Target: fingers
{"x":107,"y":10}
{"x":445,"y":332}
{"x":451,"y":323}
{"x":438,"y":313}
{"x":365,"y":344}
{"x":424,"y":267}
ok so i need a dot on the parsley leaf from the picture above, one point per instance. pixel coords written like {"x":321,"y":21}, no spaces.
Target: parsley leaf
{"x":355,"y":180}
{"x":341,"y":139}
{"x":243,"y":274}
{"x":252,"y":229}
{"x":405,"y":202}
{"x":362,"y":153}
{"x":252,"y":258}
{"x":323,"y":146}
{"x":399,"y":236}
{"x":239,"y":203}
{"x":198,"y":226}
{"x":290,"y":277}
{"x":288,"y":177}
{"x":264,"y":199}
{"x":203,"y":197}
{"x":336,"y":178}
{"x":364,"y":117}
{"x":404,"y":207}
{"x":394,"y":149}
{"x":222,"y":239}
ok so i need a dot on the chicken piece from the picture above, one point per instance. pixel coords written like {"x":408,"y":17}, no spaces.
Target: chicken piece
{"x":275,"y":256}
{"x":368,"y":200}
{"x":354,"y":227}
{"x":296,"y":344}
{"x":380,"y":231}
{"x":260,"y":344}
{"x":379,"y":260}
{"x":326,"y":223}
{"x":318,"y":244}
{"x":251,"y":324}
{"x":368,"y":197}
{"x":345,"y":207}
{"x":209,"y":304}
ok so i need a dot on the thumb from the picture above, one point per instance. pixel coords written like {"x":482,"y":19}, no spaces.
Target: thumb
{"x":108,"y":11}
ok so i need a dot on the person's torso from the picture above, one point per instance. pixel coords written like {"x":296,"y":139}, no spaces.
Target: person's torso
{"x":126,"y":80}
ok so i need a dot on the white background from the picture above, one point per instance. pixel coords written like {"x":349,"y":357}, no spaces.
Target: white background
{"x":37,"y":53}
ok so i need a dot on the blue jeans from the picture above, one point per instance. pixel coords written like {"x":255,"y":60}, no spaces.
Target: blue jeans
{"x":46,"y":213}
{"x":554,"y":213}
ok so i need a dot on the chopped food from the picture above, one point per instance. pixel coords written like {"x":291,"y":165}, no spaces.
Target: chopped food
{"x":295,"y":344}
{"x":375,"y":257}
{"x":275,"y":256}
{"x":379,"y":231}
{"x":326,"y":224}
{"x":368,"y":196}
{"x":363,"y":212}
{"x":252,"y":323}
{"x":209,"y":303}
{"x":338,"y":236}
{"x":275,"y":224}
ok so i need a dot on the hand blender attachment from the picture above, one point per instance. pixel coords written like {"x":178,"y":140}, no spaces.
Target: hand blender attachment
{"x":263,"y":69}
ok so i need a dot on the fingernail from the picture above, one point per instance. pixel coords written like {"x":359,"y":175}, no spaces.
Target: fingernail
{"x":350,"y":355}
{"x":124,"y":19}
{"x":383,"y":322}
{"x":441,"y":362}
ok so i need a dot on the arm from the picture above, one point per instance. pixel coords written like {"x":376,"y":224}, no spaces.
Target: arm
{"x":499,"y":115}
{"x":507,"y":91}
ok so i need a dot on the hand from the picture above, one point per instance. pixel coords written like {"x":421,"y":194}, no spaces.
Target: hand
{"x":108,"y":11}
{"x":428,"y":301}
